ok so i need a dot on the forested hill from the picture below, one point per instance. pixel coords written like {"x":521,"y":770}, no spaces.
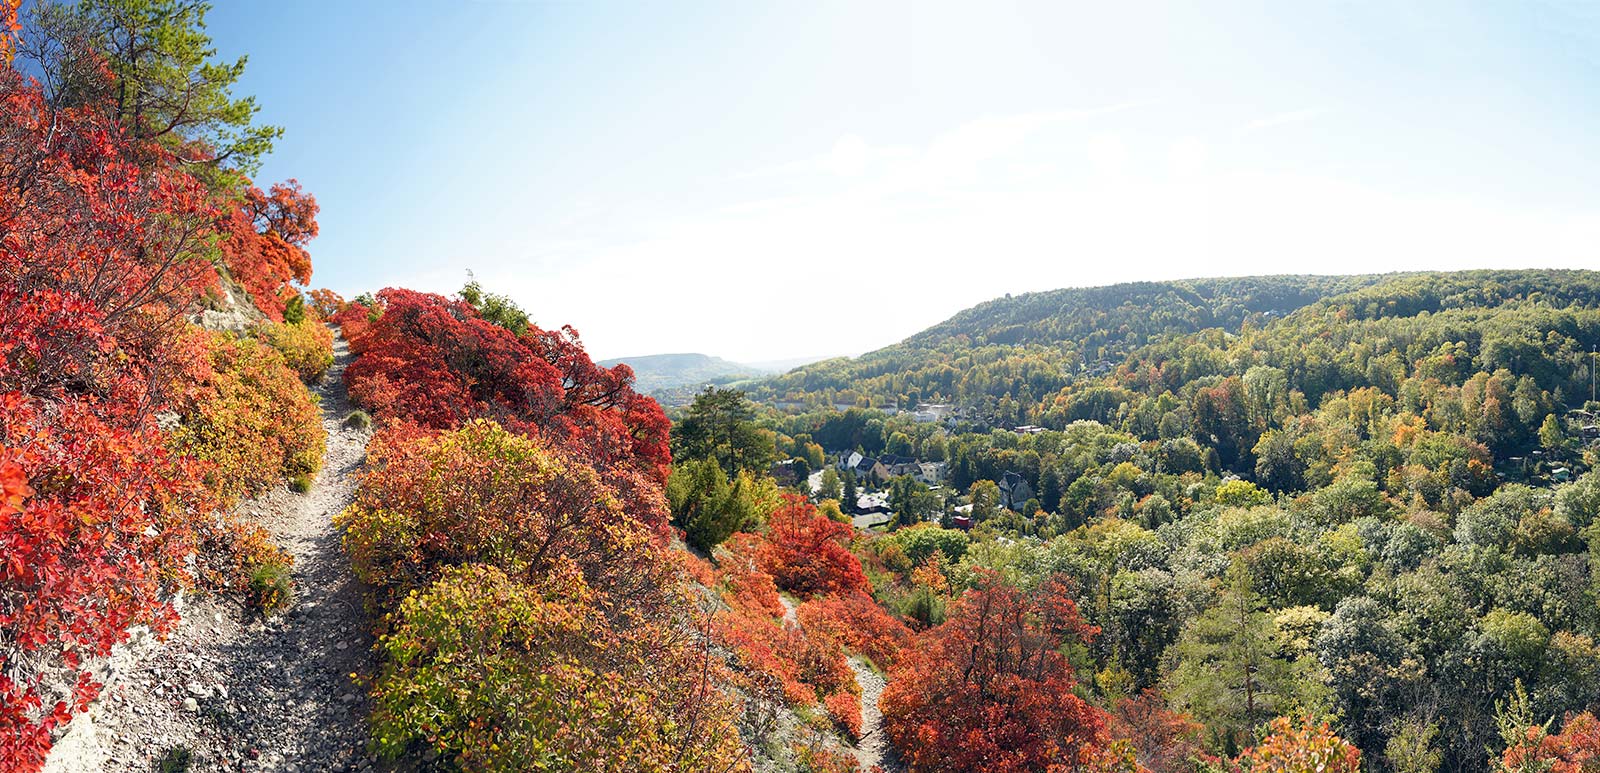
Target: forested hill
{"x":1047,"y":339}
{"x":655,"y":372}
{"x":1035,"y":358}
{"x":1111,"y":315}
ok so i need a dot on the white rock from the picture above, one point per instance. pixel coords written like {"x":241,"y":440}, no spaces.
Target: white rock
{"x":191,"y":704}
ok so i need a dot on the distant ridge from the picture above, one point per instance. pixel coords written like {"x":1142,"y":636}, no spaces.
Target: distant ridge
{"x":657,"y":372}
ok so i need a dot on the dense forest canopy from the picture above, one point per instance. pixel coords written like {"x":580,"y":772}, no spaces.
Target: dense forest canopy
{"x":1364,"y":499}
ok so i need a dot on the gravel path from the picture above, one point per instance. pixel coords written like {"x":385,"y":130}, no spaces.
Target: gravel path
{"x":872,"y":747}
{"x":237,"y":693}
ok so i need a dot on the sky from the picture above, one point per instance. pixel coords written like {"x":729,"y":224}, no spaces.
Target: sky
{"x":766,"y":180}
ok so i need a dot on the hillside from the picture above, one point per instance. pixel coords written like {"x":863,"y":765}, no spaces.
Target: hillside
{"x":656,"y":372}
{"x":1018,"y":358}
{"x":1283,"y":486}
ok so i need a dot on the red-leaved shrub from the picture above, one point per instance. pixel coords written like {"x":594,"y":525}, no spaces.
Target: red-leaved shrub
{"x":808,"y":554}
{"x":434,"y":361}
{"x":859,"y":623}
{"x":989,"y":689}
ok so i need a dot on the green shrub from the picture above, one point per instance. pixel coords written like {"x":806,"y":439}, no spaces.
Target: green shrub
{"x":294,"y":310}
{"x":710,"y":508}
{"x":271,"y":587}
{"x":300,"y":484}
{"x":357,"y":420}
{"x":176,"y":760}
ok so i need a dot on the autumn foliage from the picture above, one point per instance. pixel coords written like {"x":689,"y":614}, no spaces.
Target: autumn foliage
{"x":1576,"y":749}
{"x":1163,"y":740}
{"x":436,"y":362}
{"x":857,"y":621}
{"x":307,"y":347}
{"x":481,"y":494}
{"x":243,"y":412}
{"x":989,"y":688}
{"x":507,"y":675}
{"x":807,"y":665}
{"x":1300,"y":746}
{"x":808,"y":554}
{"x":105,"y":243}
{"x":264,"y":245}
{"x":534,"y":619}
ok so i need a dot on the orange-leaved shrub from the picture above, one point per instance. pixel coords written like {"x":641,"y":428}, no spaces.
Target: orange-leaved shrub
{"x":807,"y":553}
{"x":483,"y":494}
{"x":307,"y":347}
{"x":818,"y":758}
{"x":243,"y":411}
{"x":1163,"y":740}
{"x":263,"y":245}
{"x":324,"y":303}
{"x":501,"y":674}
{"x":1299,"y":746}
{"x":845,"y":709}
{"x":238,"y":555}
{"x":1576,"y":749}
{"x":989,"y":688}
{"x":857,"y":621}
{"x":807,"y":667}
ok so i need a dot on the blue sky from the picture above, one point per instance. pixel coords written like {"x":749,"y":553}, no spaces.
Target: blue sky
{"x":770,"y":180}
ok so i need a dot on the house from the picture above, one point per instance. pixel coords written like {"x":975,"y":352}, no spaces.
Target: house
{"x":962,"y":519}
{"x":1561,"y":475}
{"x":931,"y":473}
{"x":785,"y":472}
{"x":849,"y":459}
{"x":1027,"y":429}
{"x":894,"y":465}
{"x":1014,"y":491}
{"x":877,"y":502}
